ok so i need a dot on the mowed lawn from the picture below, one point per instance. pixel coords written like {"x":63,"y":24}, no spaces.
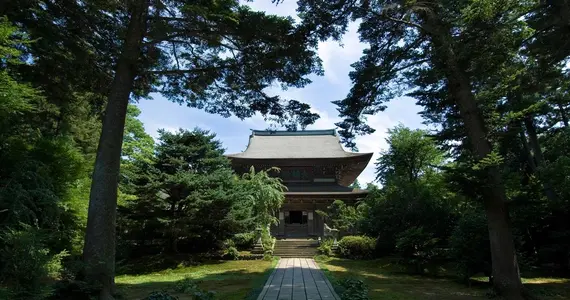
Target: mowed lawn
{"x":230,"y":280}
{"x":386,"y":281}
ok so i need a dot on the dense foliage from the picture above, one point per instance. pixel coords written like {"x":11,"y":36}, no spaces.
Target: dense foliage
{"x":353,"y":289}
{"x":492,"y":78}
{"x":427,"y":214}
{"x":48,"y":134}
{"x":42,"y":166}
{"x":356,"y":247}
{"x":186,"y":198}
{"x":486,"y":190}
{"x":90,"y":57}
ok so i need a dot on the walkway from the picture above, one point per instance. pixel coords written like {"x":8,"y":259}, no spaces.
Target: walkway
{"x":297,"y":279}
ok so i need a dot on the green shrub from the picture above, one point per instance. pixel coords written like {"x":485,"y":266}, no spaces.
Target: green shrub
{"x":416,"y":248}
{"x":189,"y":286}
{"x":325,"y":248}
{"x":469,"y":246}
{"x":231,"y":253}
{"x":27,"y":263}
{"x":245,"y":240}
{"x":186,"y":285}
{"x":353,"y":289}
{"x":162,"y":295}
{"x":267,"y":240}
{"x":357,"y":247}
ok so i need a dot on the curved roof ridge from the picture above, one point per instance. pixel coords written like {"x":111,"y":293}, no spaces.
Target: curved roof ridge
{"x":267,"y":144}
{"x":294,"y":133}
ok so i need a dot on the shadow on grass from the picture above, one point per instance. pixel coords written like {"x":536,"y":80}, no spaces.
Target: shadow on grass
{"x":160,"y":262}
{"x":387,"y":280}
{"x":245,"y":283}
{"x":259,"y":282}
{"x":551,"y":290}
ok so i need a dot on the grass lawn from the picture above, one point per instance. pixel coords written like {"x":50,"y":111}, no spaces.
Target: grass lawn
{"x":386,"y":281}
{"x":230,"y":280}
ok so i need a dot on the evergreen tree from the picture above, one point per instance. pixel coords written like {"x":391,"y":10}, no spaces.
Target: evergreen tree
{"x":414,"y":193}
{"x":186,"y":194}
{"x":38,"y":221}
{"x":444,"y":50}
{"x":218,"y":56}
{"x":411,"y":154}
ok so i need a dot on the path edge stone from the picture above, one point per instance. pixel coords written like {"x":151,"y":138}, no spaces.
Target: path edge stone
{"x":268,"y":282}
{"x":327,"y":281}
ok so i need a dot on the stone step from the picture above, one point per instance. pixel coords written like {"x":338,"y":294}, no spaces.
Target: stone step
{"x":293,"y":252}
{"x":296,"y":241}
{"x":295,"y":256}
{"x":297,"y":244}
{"x":296,"y":248}
{"x":284,"y":251}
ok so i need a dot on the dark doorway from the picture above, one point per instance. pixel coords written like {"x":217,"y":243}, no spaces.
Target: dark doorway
{"x":295,"y":217}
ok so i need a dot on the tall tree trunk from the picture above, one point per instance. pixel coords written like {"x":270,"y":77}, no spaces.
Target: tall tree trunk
{"x":533,"y":140}
{"x":527,"y":151}
{"x":506,"y":276}
{"x":538,"y":156}
{"x":99,"y":249}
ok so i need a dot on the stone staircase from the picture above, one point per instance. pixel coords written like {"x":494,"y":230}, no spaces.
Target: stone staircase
{"x":295,"y":248}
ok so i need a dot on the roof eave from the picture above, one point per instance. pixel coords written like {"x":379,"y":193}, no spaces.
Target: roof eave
{"x":352,"y":155}
{"x":327,"y":193}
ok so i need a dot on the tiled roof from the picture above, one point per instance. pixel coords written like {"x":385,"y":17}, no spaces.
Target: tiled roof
{"x":294,"y":144}
{"x":320,"y":188}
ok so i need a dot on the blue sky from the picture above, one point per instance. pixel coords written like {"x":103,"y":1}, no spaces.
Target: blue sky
{"x":335,"y":84}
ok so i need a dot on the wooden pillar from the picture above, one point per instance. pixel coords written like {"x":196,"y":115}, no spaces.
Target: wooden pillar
{"x":310,"y":223}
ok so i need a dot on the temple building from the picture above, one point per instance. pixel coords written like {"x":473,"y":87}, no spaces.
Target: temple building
{"x":314,"y":167}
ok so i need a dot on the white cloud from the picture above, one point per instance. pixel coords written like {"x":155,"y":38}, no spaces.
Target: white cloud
{"x":326,"y":121}
{"x":254,"y":122}
{"x":338,"y":57}
{"x":285,"y":9}
{"x":152,"y":129}
{"x":335,"y":85}
{"x":375,"y":143}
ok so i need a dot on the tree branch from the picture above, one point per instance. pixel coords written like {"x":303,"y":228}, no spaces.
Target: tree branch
{"x":406,"y":23}
{"x":186,"y":71}
{"x":411,"y":65}
{"x":175,"y":54}
{"x":198,"y":33}
{"x":400,"y":21}
{"x":160,"y":5}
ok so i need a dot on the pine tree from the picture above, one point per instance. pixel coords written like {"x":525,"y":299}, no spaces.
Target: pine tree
{"x":217,"y":56}
{"x":443,"y":51}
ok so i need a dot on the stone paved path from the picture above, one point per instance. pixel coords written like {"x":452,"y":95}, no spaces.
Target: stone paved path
{"x":297,"y":279}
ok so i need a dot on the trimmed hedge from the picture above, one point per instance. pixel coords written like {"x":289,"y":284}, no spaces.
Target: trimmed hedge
{"x":357,"y":247}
